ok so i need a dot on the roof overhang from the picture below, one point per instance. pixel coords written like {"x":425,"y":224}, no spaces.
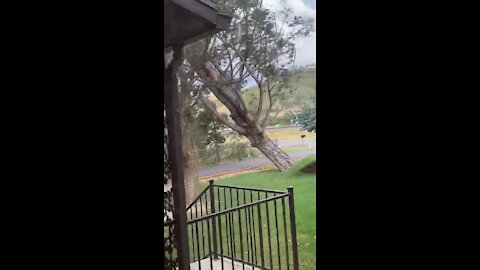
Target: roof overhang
{"x":186,"y":21}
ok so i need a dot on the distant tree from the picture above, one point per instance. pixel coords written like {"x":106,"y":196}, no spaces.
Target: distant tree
{"x":308,"y":119}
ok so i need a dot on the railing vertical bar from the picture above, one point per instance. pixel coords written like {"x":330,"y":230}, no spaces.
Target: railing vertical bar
{"x":219,"y":220}
{"x":268,"y":232}
{"x":278,"y":239}
{"x":240,"y":230}
{"x":285,"y":232}
{"x":253,"y":231}
{"x":247,"y":224}
{"x":193,"y":240}
{"x":214,"y":223}
{"x":198,"y":246}
{"x":232,"y":221}
{"x":231,"y":238}
{"x":196,"y":210}
{"x":241,"y":235}
{"x":209,"y":244}
{"x":206,"y":202}
{"x":226,"y":222}
{"x":196,"y":231}
{"x":293,"y":228}
{"x":203,"y":230}
{"x":260,"y":236}
{"x":250,"y":234}
{"x":238,"y":200}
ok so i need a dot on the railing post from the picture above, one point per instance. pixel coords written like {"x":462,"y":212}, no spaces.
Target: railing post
{"x":260,"y":236}
{"x":214,"y":223}
{"x":293,"y":227}
{"x":175,"y":156}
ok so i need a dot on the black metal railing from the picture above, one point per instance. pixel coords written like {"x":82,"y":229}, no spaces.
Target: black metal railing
{"x":248,"y":226}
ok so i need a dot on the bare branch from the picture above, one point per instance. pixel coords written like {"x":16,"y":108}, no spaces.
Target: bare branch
{"x":257,"y":81}
{"x":219,"y":69}
{"x":260,"y":102}
{"x":268,"y":119}
{"x":270,"y":89}
{"x":230,"y":60}
{"x":270,"y":104}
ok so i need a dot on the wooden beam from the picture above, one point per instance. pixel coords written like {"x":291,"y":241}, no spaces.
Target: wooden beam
{"x":204,"y":22}
{"x":198,"y":8}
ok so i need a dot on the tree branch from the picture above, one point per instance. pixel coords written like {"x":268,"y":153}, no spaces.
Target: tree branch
{"x":270,"y":104}
{"x":266,"y":119}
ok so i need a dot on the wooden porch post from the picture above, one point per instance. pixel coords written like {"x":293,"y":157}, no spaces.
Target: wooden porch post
{"x":173,"y":117}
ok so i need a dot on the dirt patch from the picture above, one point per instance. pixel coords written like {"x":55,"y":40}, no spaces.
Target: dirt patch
{"x":310,"y":168}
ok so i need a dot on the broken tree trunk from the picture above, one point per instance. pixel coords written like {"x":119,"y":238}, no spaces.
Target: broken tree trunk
{"x":277,"y":156}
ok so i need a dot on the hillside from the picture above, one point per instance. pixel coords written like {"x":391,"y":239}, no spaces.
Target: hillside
{"x":302,"y":85}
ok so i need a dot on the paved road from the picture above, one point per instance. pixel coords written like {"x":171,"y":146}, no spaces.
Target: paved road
{"x":247,"y":163}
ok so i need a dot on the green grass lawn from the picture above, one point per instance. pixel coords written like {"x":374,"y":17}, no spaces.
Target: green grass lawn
{"x":305,"y":204}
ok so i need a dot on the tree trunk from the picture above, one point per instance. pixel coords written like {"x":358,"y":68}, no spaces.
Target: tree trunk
{"x":271,"y":151}
{"x":191,"y":167}
{"x":190,"y":158}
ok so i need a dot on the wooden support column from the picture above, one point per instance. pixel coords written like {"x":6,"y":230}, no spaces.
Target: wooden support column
{"x":173,"y":118}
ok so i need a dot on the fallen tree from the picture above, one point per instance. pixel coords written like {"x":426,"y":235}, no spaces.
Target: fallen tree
{"x":256,"y":47}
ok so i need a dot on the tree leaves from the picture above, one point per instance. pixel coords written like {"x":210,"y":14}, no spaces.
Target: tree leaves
{"x":308,"y":119}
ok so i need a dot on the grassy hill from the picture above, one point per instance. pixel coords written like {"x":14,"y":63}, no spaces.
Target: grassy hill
{"x":302,"y":85}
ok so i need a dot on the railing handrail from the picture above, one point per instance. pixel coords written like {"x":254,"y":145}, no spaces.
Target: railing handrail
{"x":236,"y":208}
{"x":198,"y":197}
{"x":233,"y":187}
{"x":252,"y":189}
